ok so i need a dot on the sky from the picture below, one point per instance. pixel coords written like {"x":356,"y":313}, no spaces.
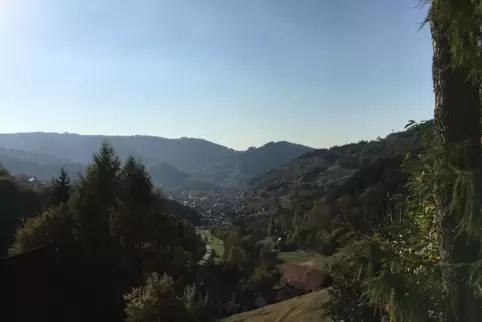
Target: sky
{"x":236,"y":72}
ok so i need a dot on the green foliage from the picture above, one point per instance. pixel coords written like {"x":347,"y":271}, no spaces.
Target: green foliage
{"x":17,"y":204}
{"x":61,"y":188}
{"x":461,"y":20}
{"x":4,"y":172}
{"x":345,"y":296}
{"x":395,"y":267}
{"x":156,"y":301}
{"x":112,"y":232}
{"x":52,"y":227}
{"x":263,"y":279}
{"x":316,"y":172}
{"x":153,"y":302}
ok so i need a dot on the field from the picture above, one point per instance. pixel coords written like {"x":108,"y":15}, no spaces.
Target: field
{"x":215,"y":243}
{"x":312,"y":259}
{"x":306,"y":308}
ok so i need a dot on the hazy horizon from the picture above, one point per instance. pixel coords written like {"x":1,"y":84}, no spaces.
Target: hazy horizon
{"x":200,"y":138}
{"x":237,"y":73}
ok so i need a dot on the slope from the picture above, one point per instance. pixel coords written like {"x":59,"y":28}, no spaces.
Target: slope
{"x":187,"y":154}
{"x":254,"y":162}
{"x":306,"y":308}
{"x":166,"y":175}
{"x":39,"y":165}
{"x":319,"y":171}
{"x":187,"y":213}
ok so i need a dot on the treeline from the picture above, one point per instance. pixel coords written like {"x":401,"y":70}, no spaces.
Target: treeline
{"x":113,"y":236}
{"x":370,"y":196}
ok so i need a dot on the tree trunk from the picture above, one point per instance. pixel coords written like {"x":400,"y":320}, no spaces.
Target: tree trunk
{"x":457,"y":122}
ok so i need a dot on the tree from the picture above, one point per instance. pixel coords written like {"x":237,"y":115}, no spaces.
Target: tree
{"x":61,"y":188}
{"x":112,"y":232}
{"x":152,"y":302}
{"x":128,"y":222}
{"x":155,"y":301}
{"x":95,"y":201}
{"x":52,"y":227}
{"x":457,"y":118}
{"x":3,"y":172}
{"x":17,"y":204}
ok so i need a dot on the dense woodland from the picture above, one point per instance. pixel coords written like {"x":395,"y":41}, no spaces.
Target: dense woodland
{"x":127,"y":245}
{"x":110,"y":230}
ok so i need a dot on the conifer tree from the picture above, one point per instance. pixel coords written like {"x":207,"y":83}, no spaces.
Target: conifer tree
{"x":455,"y":27}
{"x":61,"y":188}
{"x":95,"y":203}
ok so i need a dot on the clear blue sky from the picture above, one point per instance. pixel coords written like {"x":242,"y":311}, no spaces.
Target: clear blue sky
{"x":236,"y":72}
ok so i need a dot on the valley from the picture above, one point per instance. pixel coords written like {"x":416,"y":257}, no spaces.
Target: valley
{"x":256,"y":217}
{"x":347,"y":186}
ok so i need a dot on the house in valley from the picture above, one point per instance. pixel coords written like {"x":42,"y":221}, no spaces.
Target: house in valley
{"x":303,"y":277}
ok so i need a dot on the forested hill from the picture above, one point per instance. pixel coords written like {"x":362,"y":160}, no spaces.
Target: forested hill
{"x":319,"y":171}
{"x":254,"y":162}
{"x":172,"y":163}
{"x":39,"y":165}
{"x":186,"y":154}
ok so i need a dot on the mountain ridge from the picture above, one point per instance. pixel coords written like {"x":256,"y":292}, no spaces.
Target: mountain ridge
{"x":171,"y":162}
{"x":319,"y":171}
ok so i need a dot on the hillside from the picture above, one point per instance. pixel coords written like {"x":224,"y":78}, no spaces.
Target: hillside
{"x":173,"y":163}
{"x":186,"y":154}
{"x":254,"y":162}
{"x":319,"y":171}
{"x":39,"y":165}
{"x":187,"y":213}
{"x":303,"y":308}
{"x":166,"y":174}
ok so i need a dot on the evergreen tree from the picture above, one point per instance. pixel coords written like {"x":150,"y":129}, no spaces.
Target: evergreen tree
{"x":457,"y":120}
{"x":61,"y":188}
{"x":95,"y":200}
{"x":136,"y":199}
{"x":111,"y":233}
{"x":104,"y":173}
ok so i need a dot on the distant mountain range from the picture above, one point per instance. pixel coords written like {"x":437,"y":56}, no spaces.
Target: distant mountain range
{"x":171,"y":162}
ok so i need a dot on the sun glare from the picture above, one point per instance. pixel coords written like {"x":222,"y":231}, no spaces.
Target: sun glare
{"x":5,"y":12}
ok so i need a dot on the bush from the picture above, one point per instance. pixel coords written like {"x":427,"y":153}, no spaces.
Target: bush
{"x":156,"y":301}
{"x":52,"y":227}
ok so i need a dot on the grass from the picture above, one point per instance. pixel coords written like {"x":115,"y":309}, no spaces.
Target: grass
{"x":216,"y":243}
{"x":306,"y":308}
{"x":312,"y":259}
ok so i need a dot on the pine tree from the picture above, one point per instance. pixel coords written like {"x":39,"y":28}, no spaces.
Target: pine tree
{"x":136,"y":198}
{"x":95,"y":204}
{"x":61,"y":188}
{"x":457,"y":120}
{"x":104,"y":172}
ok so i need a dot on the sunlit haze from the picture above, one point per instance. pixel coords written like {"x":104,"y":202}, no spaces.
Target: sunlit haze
{"x":239,"y":73}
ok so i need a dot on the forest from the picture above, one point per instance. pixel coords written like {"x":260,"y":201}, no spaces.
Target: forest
{"x":122,"y":250}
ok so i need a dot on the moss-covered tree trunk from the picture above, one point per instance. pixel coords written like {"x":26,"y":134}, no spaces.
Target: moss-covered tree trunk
{"x":457,"y":119}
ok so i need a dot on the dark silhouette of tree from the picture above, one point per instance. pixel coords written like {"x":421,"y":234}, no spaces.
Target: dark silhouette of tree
{"x":61,"y":188}
{"x":454,"y":26}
